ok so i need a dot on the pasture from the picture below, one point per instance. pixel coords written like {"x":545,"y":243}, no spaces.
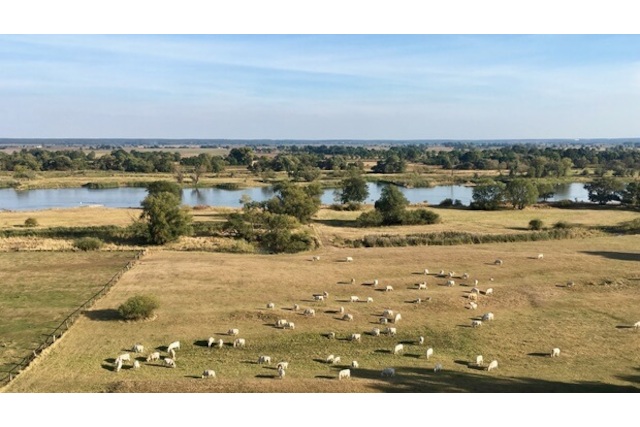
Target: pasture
{"x":205,"y":294}
{"x":40,"y":289}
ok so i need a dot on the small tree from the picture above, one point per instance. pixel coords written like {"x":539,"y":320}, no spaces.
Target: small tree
{"x":296,"y":201}
{"x":521,"y":192}
{"x":353,"y":189}
{"x":166,"y":220}
{"x":156,"y":187}
{"x":631,"y":194}
{"x":138,"y":307}
{"x":488,"y":196}
{"x":31,"y":222}
{"x":391,"y":205}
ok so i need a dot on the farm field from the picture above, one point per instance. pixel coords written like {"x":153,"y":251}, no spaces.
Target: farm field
{"x":205,"y":294}
{"x":40,"y":289}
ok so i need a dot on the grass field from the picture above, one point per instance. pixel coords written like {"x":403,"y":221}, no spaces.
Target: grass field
{"x":205,"y":294}
{"x":40,"y":289}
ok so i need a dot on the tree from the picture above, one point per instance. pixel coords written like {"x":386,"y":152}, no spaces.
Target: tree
{"x":157,"y":187}
{"x":166,"y":220}
{"x":521,"y":192}
{"x":631,"y":194}
{"x":604,"y":189}
{"x":546,"y":191}
{"x":296,"y":201}
{"x":391,"y":205}
{"x":391,"y":164}
{"x":240,"y":156}
{"x":488,"y":196}
{"x":353,"y":189}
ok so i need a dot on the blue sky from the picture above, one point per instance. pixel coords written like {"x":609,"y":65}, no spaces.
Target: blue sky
{"x":320,"y":86}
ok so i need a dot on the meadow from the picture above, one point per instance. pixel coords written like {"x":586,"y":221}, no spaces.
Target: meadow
{"x":204,"y":294}
{"x":40,"y":289}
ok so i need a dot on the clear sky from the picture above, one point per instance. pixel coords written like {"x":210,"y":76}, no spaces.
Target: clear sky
{"x":320,"y":86}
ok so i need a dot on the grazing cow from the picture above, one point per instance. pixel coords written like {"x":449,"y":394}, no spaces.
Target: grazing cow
{"x":211,"y":341}
{"x":138,"y":348}
{"x":555,"y":352}
{"x":354,"y":298}
{"x":498,"y":262}
{"x":429,"y":353}
{"x":487,"y":316}
{"x":349,"y":259}
{"x":153,"y":356}
{"x":233,"y":332}
{"x":492,"y":365}
{"x":388,"y":372}
{"x":264,"y":359}
{"x":315,"y":258}
{"x":437,"y":368}
{"x":476,"y":323}
{"x":174,"y":346}
{"x":391,"y":331}
{"x":355,"y":337}
{"x":348,"y":317}
{"x":354,"y":364}
{"x":479,"y":360}
{"x":282,"y":365}
{"x":398,"y":348}
{"x":209,"y":373}
{"x":344,"y":374}
{"x":451,"y":283}
{"x":489,"y":291}
{"x":420,"y":340}
{"x":239,"y":342}
{"x":540,"y":256}
{"x":170,"y":363}
{"x":388,"y":288}
{"x":271,"y":306}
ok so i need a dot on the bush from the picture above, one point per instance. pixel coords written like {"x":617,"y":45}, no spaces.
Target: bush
{"x":369,"y":219}
{"x":536,"y":224}
{"x":138,"y":307}
{"x":88,"y":244}
{"x":30,"y":222}
{"x":446,"y":203}
{"x":419,"y":216}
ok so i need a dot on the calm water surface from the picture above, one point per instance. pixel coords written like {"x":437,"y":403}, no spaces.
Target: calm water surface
{"x":130,"y":197}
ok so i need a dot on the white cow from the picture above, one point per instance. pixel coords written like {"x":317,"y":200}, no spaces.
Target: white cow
{"x":473,"y":305}
{"x":309,"y":312}
{"x":388,"y":288}
{"x":498,"y":262}
{"x":153,"y":356}
{"x":271,"y":306}
{"x":211,"y":341}
{"x":330,"y":358}
{"x":315,"y":258}
{"x":170,"y":363}
{"x":487,"y":316}
{"x":354,"y":364}
{"x":136,"y":364}
{"x":281,"y":373}
{"x":451,"y":282}
{"x":438,"y":367}
{"x":422,"y":285}
{"x":118,"y":365}
{"x":123,"y":357}
{"x":636,"y":325}
{"x":348,"y":317}
{"x":282,"y":365}
{"x":239,"y":342}
{"x":479,"y":360}
{"x":492,"y":365}
{"x":476,"y":323}
{"x":489,"y":291}
{"x":388,"y":372}
{"x":420,"y":340}
{"x":426,"y":271}
{"x":174,"y":346}
{"x":387,"y":313}
{"x":555,"y":352}
{"x":429,"y":353}
{"x":233,"y":332}
{"x":354,"y":298}
{"x":375,"y":332}
{"x":391,"y":331}
{"x":138,"y":348}
{"x":540,"y":256}
{"x":318,"y":297}
{"x":264,"y":359}
{"x":398,"y":348}
{"x":397,"y":318}
{"x":355,"y":337}
{"x":209,"y":373}
{"x":344,"y":374}
{"x":349,"y":259}
{"x":369,"y":299}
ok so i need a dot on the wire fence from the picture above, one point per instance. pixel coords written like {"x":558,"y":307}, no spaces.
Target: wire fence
{"x":68,"y":322}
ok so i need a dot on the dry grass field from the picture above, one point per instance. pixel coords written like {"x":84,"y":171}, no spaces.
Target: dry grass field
{"x":205,"y":294}
{"x":40,"y":289}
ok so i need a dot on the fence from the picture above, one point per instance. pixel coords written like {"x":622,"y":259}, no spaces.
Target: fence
{"x":68,"y":322}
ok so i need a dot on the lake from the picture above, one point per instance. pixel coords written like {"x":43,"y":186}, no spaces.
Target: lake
{"x":130,"y":197}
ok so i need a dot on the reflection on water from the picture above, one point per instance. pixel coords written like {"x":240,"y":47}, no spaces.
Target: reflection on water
{"x":132,"y":196}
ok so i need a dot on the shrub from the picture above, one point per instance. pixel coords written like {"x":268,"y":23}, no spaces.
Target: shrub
{"x":138,"y":307}
{"x":30,"y":222}
{"x":88,"y":244}
{"x":369,"y":219}
{"x":419,"y":216}
{"x":446,"y":203}
{"x":536,"y":224}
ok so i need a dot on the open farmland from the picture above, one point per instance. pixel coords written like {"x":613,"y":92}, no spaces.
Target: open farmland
{"x":40,"y":289}
{"x":205,"y":294}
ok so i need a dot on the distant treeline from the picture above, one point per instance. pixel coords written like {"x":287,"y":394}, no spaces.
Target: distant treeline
{"x":304,"y":162}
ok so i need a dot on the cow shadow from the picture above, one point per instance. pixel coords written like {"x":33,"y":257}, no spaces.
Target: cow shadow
{"x":325,"y":377}
{"x":266,"y":376}
{"x":624,"y":327}
{"x":201,"y":343}
{"x":538,"y":354}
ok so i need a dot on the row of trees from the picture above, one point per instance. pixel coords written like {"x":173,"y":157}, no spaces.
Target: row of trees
{"x":520,"y":192}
